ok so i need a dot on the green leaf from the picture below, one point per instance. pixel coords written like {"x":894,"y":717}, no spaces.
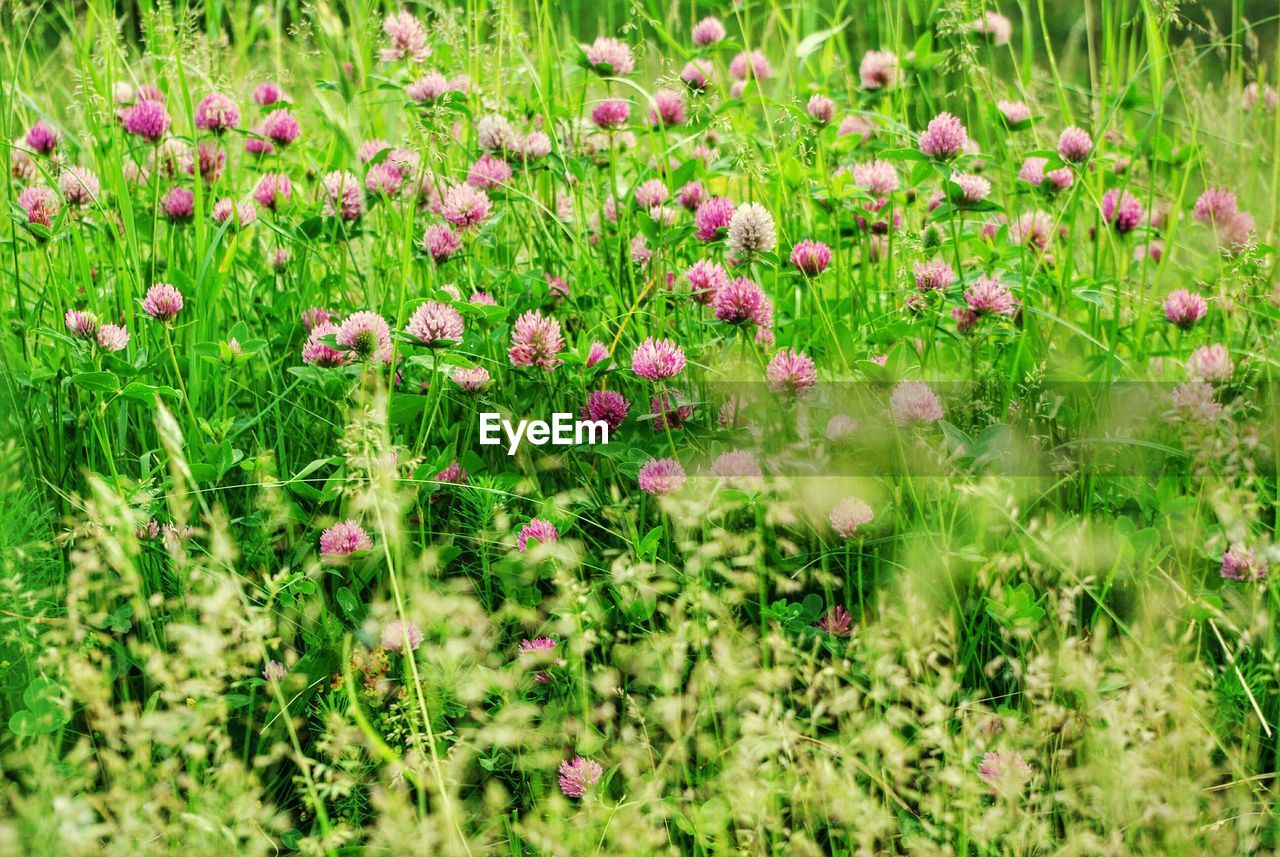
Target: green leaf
{"x":101,"y":382}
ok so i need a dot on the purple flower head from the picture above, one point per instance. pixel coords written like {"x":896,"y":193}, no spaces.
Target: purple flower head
{"x":972,"y":188}
{"x":821,"y":109}
{"x":708,"y":31}
{"x":217,"y":113}
{"x":275,"y":671}
{"x":465,"y":206}
{"x":1211,"y":363}
{"x":934,"y":275}
{"x":79,"y":186}
{"x":712,"y":216}
{"x":651,"y":193}
{"x":367,"y":335}
{"x":668,"y":109}
{"x":147,"y":119}
{"x":398,"y":633}
{"x":471,"y":380}
{"x":1121,"y":209}
{"x":791,"y":373}
{"x":384,"y":179}
{"x":406,"y":38}
{"x":1014,"y":112}
{"x":661,"y":476}
{"x":1243,"y":563}
{"x":848,"y":515}
{"x":578,"y":775}
{"x":748,"y":66}
{"x":598,"y":353}
{"x":317,"y":353}
{"x":657,"y":359}
{"x":435,"y":324}
{"x":706,"y":278}
{"x":913,"y":403}
{"x":811,"y":257}
{"x":162,"y":302}
{"x":344,"y":538}
{"x":1074,"y":145}
{"x":273,"y":191}
{"x":879,"y":178}
{"x":541,"y":531}
{"x":878,"y":70}
{"x":41,"y":138}
{"x":989,"y":296}
{"x":738,"y":301}
{"x":535,"y":341}
{"x":441,"y":242}
{"x":1215,"y":205}
{"x":1004,"y":773}
{"x":489,"y":172}
{"x":1183,"y":308}
{"x":280,"y":127}
{"x":608,"y":406}
{"x":610,"y":56}
{"x":697,"y":73}
{"x":691,"y":195}
{"x":343,"y":196}
{"x":944,"y":138}
{"x":837,"y":623}
{"x":610,"y":114}
{"x":267,"y":94}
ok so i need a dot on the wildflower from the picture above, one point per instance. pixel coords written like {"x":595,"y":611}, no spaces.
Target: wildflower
{"x":668,"y":109}
{"x":696,"y":74}
{"x":737,"y":467}
{"x":440,"y":242}
{"x":78,"y":185}
{"x":811,"y":257}
{"x":399,"y":633}
{"x":972,"y":188}
{"x":1242,"y":563}
{"x":934,"y":275}
{"x":712,"y":216}
{"x":610,"y":114}
{"x":225,"y":209}
{"x":751,"y":230}
{"x":1194,"y":402}
{"x":609,"y":56}
{"x":1210,"y":363}
{"x":608,"y":406}
{"x":217,"y":113}
{"x":384,"y":179}
{"x":848,"y":515}
{"x":1034,"y":229}
{"x":668,"y":413}
{"x":343,"y":539}
{"x":280,"y":127}
{"x":746,"y":66}
{"x":1183,"y":308}
{"x":40,"y":203}
{"x":661,"y":476}
{"x":495,"y":133}
{"x":989,"y":296}
{"x":837,"y":623}
{"x":841,"y":429}
{"x":1004,"y":773}
{"x":1032,"y":170}
{"x":944,"y":138}
{"x":41,"y":139}
{"x":708,"y":31}
{"x":408,"y":38}
{"x":738,"y":301}
{"x":81,"y":323}
{"x":488,"y":172}
{"x":995,"y":26}
{"x":539,"y":648}
{"x":147,"y":119}
{"x":850,"y":125}
{"x":430,"y":87}
{"x":540,"y":531}
{"x":272,"y":191}
{"x":598,"y":353}
{"x":791,"y":373}
{"x":317,"y":353}
{"x":274,"y":671}
{"x":367,"y":335}
{"x":1014,"y":112}
{"x":343,"y":196}
{"x":534,"y":146}
{"x":465,"y":206}
{"x":268,"y":93}
{"x":651,"y":193}
{"x":706,"y":278}
{"x":1121,"y":209}
{"x":535,"y":341}
{"x":1215,"y":205}
{"x":471,"y":380}
{"x":1074,"y":145}
{"x":913,"y":403}
{"x":657,"y":359}
{"x":821,"y":109}
{"x":578,"y":775}
{"x":162,"y":302}
{"x":879,"y":178}
{"x":878,"y":70}
{"x":435,"y":324}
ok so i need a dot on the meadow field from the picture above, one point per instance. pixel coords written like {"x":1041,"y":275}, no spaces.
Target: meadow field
{"x":909,"y":476}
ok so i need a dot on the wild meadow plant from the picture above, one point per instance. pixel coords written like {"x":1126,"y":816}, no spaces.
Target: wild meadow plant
{"x":936,"y":347}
